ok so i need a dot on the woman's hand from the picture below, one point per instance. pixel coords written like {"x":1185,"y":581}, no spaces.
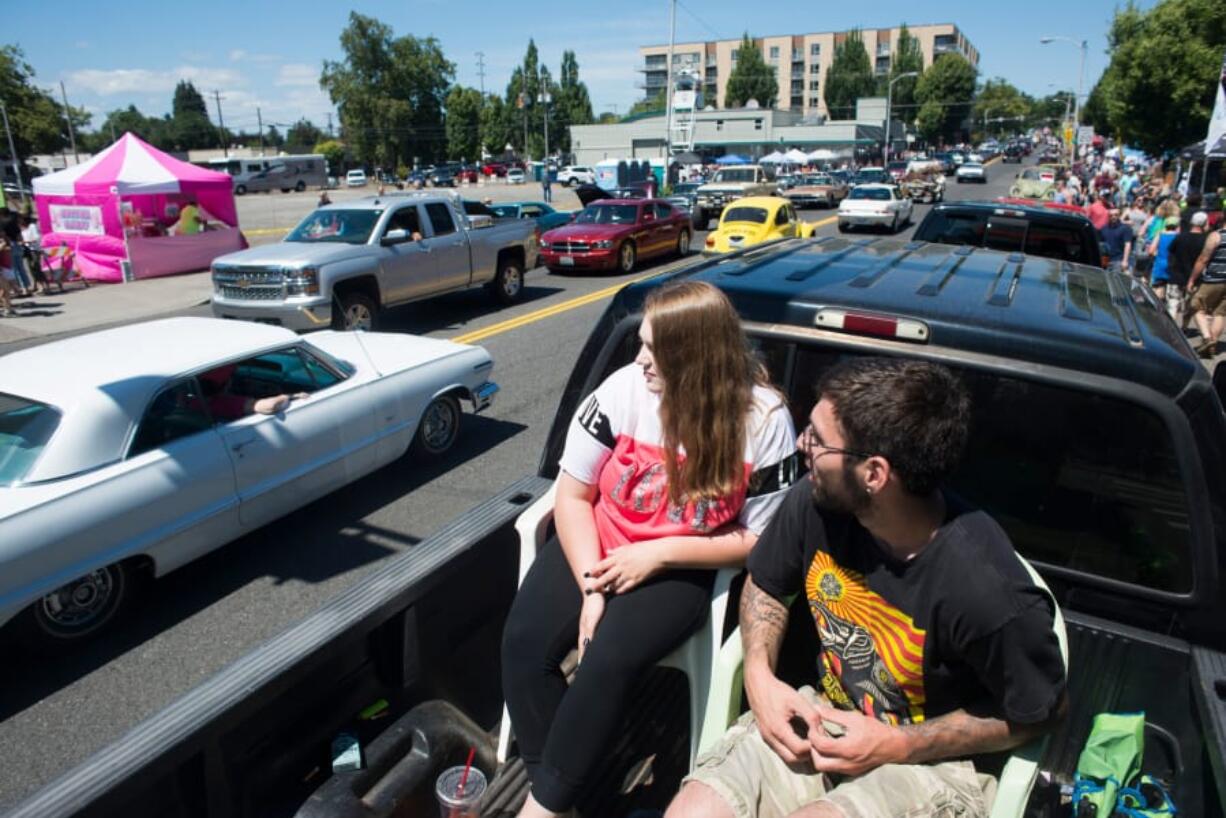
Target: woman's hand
{"x":589,"y":618}
{"x":626,"y":568}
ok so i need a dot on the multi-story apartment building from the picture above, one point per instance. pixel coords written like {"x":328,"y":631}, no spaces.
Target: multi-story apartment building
{"x":800,"y":59}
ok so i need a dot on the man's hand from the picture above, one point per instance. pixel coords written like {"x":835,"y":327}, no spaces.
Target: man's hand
{"x":626,"y":568}
{"x":865,"y":744}
{"x":775,"y":705}
{"x":589,"y":617}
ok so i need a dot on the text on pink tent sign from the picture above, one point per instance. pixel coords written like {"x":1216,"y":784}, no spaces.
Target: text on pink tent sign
{"x":82,"y":219}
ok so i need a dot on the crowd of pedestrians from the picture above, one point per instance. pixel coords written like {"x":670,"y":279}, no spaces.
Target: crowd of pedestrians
{"x":1156,"y":232}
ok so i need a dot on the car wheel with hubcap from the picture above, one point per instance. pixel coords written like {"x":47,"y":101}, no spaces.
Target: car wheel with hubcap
{"x":439,"y":428}
{"x":358,"y":311}
{"x":508,"y":283}
{"x":844,"y":227}
{"x":240,"y":190}
{"x":627,"y":257}
{"x":80,"y":607}
{"x":683,"y":243}
{"x":301,"y":186}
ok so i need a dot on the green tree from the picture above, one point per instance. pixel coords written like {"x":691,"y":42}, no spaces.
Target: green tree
{"x":573,"y":104}
{"x":153,"y":130}
{"x":1161,"y":103}
{"x":849,"y":77}
{"x":334,"y":154}
{"x":390,"y":92}
{"x":949,"y":83}
{"x":303,"y":134}
{"x":190,"y":126}
{"x":998,"y":99}
{"x":1051,"y":110}
{"x":36,"y":119}
{"x":497,"y":127}
{"x":908,"y":57}
{"x":653,"y":104}
{"x":525,"y":113}
{"x":1094,"y":112}
{"x":464,"y":123}
{"x":751,"y":78}
{"x":608,"y":118}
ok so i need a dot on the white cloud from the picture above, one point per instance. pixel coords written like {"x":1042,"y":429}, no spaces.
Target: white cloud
{"x":298,"y":74}
{"x":133,"y":80}
{"x":237,"y":55}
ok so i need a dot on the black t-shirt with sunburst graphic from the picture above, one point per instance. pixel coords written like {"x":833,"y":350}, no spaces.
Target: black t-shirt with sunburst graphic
{"x":960,"y":625}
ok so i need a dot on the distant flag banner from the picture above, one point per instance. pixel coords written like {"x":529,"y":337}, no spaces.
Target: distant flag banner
{"x":1214,"y":142}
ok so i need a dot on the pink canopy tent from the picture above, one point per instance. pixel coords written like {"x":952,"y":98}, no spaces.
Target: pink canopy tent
{"x":118,"y":205}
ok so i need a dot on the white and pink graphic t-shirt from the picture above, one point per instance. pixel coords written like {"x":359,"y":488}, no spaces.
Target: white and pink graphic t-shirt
{"x":615,"y":442}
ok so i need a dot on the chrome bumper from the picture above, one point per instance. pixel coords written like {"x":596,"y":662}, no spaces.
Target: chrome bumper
{"x":483,"y":396}
{"x":298,"y":317}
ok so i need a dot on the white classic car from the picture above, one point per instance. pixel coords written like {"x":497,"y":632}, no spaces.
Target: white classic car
{"x":141,"y":448}
{"x":971,"y":172}
{"x":875,"y":206}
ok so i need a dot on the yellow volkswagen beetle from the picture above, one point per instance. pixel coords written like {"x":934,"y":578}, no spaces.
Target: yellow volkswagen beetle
{"x":753,"y":220}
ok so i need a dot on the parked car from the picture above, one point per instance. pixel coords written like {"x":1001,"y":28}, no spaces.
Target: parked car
{"x":494,"y":169}
{"x":615,"y":234}
{"x":572,"y":175}
{"x":755,"y":220}
{"x":543,"y":214}
{"x":515,"y":176}
{"x":130,"y":452}
{"x":875,"y":206}
{"x":1036,"y":229}
{"x":817,"y":189}
{"x":971,"y":172}
{"x":730,"y":184}
{"x":1095,"y":443}
{"x":345,"y":263}
{"x":355,"y":178}
{"x":442,"y":177}
{"x":685,"y":195}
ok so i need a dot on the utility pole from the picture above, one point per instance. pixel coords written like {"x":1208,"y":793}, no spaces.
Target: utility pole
{"x":72,"y":137}
{"x":545,"y":104}
{"x":481,"y":72}
{"x":329,"y":124}
{"x":113,"y":140}
{"x":259,"y":121}
{"x":12,"y":151}
{"x":668,"y":88}
{"x":221,"y":126}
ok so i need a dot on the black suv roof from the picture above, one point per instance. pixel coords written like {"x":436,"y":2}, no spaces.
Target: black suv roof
{"x":1024,"y":308}
{"x":1024,"y":208}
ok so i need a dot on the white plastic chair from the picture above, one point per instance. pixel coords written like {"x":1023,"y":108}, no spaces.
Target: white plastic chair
{"x":1016,"y":779}
{"x":694,"y":657}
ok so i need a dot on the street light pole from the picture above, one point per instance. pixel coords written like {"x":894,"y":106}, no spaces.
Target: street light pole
{"x":889,"y":93}
{"x":1081,"y":70}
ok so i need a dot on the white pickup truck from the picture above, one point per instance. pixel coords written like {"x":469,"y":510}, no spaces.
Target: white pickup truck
{"x":346,"y":262}
{"x":728,"y":185}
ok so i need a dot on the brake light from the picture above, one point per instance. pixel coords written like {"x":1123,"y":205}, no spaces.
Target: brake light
{"x":710,"y":241}
{"x":880,"y":326}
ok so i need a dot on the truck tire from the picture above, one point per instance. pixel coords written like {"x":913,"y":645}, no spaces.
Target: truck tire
{"x":356,"y":311}
{"x":438,"y":429}
{"x":78,"y":608}
{"x":508,"y":283}
{"x":301,"y":186}
{"x":627,"y":257}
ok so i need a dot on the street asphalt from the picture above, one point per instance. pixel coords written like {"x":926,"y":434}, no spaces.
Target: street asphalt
{"x":191,"y":623}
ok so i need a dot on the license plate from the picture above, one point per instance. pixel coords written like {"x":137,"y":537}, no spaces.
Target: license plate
{"x":566,"y":261}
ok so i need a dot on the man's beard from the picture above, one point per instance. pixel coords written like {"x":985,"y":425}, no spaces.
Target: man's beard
{"x":842,"y":494}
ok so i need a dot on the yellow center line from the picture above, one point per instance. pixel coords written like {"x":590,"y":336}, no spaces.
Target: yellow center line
{"x":266,"y":231}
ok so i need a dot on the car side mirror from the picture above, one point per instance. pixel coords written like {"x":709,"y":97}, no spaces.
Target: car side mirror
{"x":397,"y":236}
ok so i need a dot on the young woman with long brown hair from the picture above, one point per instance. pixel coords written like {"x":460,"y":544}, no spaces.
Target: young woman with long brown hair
{"x":671,"y":469}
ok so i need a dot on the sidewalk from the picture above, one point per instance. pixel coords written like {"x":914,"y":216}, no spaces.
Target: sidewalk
{"x":103,"y":304}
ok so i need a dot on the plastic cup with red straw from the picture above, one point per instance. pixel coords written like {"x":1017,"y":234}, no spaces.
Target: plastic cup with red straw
{"x":459,"y":789}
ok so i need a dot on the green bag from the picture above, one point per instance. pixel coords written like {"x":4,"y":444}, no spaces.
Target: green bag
{"x":1109,"y":761}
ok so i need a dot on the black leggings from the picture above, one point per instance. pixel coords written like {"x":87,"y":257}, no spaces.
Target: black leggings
{"x":564,"y":732}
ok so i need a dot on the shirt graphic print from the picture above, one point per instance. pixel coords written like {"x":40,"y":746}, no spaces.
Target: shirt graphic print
{"x":872,"y":654}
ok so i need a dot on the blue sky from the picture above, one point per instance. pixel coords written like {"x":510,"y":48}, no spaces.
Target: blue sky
{"x":268,"y":54}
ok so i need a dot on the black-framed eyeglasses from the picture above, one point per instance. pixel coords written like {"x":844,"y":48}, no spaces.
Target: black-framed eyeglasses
{"x":808,"y":437}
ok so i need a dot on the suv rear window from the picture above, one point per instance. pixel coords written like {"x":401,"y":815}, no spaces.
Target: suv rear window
{"x":983,"y":228}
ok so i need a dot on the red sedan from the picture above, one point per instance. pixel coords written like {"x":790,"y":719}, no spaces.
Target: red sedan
{"x":613,"y":234}
{"x":494,"y":169}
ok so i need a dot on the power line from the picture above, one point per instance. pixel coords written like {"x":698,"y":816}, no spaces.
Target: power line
{"x":701,"y":21}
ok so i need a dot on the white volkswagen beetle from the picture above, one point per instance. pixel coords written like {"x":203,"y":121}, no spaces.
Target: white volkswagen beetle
{"x":141,"y":448}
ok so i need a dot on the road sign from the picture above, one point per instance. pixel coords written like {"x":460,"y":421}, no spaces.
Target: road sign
{"x":1068,"y":136}
{"x":1085,"y":134}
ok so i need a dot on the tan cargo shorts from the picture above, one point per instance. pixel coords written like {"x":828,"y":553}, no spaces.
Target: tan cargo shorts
{"x":757,"y":783}
{"x":1210,"y":298}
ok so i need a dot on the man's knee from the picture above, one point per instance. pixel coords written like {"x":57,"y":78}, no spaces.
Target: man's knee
{"x":697,"y":800}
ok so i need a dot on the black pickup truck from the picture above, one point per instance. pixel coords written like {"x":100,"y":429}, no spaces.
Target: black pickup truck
{"x":1099,"y":443}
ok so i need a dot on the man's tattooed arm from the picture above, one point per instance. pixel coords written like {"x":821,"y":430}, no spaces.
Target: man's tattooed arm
{"x":763,"y":622}
{"x":960,"y":734}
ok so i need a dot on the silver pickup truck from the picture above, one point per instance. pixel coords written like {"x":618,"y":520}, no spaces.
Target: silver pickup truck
{"x":729,"y":185}
{"x":346,"y":262}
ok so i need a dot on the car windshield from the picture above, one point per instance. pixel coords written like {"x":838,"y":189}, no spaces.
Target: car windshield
{"x":685,"y":187}
{"x":339,"y":226}
{"x":754,"y":215}
{"x":25,"y":428}
{"x":866,"y":176}
{"x":1032,"y":174}
{"x":608,"y":214}
{"x":878,"y":194}
{"x":973,"y":166}
{"x":897,"y":166}
{"x":817,"y":180}
{"x":735,"y":175}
